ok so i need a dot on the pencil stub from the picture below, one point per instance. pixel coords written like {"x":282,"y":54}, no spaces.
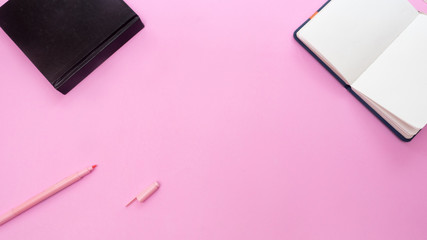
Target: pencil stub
{"x":144,"y":195}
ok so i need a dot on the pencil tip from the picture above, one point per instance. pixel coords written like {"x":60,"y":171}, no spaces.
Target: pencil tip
{"x":94,"y":166}
{"x":133,"y":200}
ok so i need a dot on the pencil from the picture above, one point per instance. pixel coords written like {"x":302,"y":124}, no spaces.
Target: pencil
{"x":45,"y":195}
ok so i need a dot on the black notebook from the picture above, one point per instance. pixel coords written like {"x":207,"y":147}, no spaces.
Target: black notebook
{"x":67,"y":39}
{"x":377,"y":49}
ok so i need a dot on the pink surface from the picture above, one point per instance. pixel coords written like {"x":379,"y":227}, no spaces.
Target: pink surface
{"x":249,"y":136}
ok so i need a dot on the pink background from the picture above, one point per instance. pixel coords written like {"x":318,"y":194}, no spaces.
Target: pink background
{"x":249,"y":136}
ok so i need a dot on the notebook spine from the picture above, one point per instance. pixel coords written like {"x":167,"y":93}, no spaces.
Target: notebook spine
{"x":89,"y":63}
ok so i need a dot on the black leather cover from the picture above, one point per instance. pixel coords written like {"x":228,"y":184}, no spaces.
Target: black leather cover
{"x":67,"y":39}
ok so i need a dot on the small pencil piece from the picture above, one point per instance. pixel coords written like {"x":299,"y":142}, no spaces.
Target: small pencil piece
{"x":144,"y":195}
{"x":148,"y":192}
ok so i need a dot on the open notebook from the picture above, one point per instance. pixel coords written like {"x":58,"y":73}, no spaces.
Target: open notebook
{"x":378,"y":50}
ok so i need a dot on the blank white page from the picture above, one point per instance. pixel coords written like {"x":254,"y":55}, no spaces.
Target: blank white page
{"x":350,"y":34}
{"x":397,"y":80}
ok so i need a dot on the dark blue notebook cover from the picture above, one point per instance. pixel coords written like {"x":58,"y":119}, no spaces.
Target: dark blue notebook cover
{"x":348,"y":87}
{"x":68,"y":39}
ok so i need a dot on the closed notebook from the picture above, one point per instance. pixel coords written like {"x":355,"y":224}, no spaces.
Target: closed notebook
{"x":378,"y":50}
{"x":67,"y":39}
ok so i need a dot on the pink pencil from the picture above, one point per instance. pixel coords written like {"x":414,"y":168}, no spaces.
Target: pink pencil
{"x":45,"y":194}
